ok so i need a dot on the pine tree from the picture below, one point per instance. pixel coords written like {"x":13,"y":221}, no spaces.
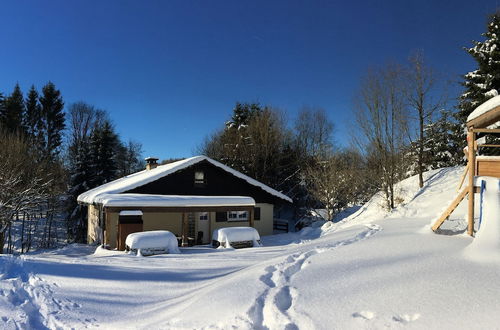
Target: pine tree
{"x":103,"y":144}
{"x":79,"y":182}
{"x":484,"y":82}
{"x":13,"y":110}
{"x":53,"y":116}
{"x":441,"y":149}
{"x":33,"y":120}
{"x":2,"y":110}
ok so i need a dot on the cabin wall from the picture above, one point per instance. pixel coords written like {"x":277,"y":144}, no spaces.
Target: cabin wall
{"x":163,"y":221}
{"x":172,"y":221}
{"x":111,"y":232}
{"x":264,"y":226}
{"x":94,"y":231}
{"x":488,"y":167}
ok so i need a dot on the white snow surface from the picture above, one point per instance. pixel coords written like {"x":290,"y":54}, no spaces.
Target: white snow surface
{"x":485,"y":107}
{"x":137,"y":200}
{"x":146,"y":176}
{"x":486,"y":245}
{"x":153,"y":239}
{"x":236,"y":234}
{"x":373,"y":270}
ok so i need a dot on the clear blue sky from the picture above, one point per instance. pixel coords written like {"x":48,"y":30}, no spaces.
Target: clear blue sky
{"x":169,"y":72}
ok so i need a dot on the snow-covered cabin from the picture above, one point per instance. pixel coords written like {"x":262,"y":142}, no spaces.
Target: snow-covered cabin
{"x":190,"y":198}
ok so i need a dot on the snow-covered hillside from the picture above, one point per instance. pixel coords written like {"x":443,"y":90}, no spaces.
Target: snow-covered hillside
{"x":372,"y":270}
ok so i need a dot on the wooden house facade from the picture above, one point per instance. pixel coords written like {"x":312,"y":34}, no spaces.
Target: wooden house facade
{"x":190,"y":198}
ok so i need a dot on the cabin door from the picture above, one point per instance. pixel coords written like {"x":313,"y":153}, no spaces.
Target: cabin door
{"x":204,"y":226}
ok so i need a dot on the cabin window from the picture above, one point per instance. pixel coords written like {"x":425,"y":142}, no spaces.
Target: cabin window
{"x":220,"y":216}
{"x":204,"y":216}
{"x":237,"y":216}
{"x":199,"y":178}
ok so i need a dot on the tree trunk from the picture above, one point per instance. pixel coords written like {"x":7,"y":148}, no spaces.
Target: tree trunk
{"x":420,"y":161}
{"x":2,"y":241}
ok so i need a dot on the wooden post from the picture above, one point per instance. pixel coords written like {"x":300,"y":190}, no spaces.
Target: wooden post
{"x":471,"y":137}
{"x":185,"y":229}
{"x":250,"y":218}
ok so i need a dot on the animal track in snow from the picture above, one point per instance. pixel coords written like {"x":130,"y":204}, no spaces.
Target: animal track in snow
{"x":367,"y":315}
{"x":406,"y":318}
{"x":273,"y":308}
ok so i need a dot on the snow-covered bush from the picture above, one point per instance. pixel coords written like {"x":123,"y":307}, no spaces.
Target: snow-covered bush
{"x":152,"y":242}
{"x":236,"y":237}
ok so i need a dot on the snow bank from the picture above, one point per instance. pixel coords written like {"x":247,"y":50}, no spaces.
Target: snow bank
{"x":485,"y":107}
{"x":226,"y":236}
{"x":486,"y":244}
{"x":143,"y":177}
{"x":150,"y":241}
{"x":138,"y":200}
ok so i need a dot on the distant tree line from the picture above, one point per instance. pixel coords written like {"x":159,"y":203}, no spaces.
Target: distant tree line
{"x":405,"y":124}
{"x":49,"y":156}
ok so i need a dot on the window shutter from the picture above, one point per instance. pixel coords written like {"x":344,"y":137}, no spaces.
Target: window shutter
{"x":256,"y":212}
{"x":220,"y":216}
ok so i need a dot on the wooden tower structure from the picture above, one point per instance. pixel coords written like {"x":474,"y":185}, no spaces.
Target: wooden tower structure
{"x":482,"y":121}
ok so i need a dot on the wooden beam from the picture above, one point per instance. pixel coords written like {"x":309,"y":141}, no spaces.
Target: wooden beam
{"x":471,"y":137}
{"x":450,"y":209}
{"x":463,"y":178}
{"x":179,"y":209}
{"x":250,"y":217}
{"x":486,"y":130}
{"x":489,"y":145}
{"x":486,"y":119}
{"x":185,"y":229}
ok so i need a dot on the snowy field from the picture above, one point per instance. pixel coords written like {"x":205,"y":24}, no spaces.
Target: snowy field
{"x":372,"y":270}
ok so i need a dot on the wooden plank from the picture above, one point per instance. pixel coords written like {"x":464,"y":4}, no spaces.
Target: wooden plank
{"x":486,"y":119}
{"x":463,"y":178}
{"x":489,"y":145}
{"x":185,"y":229}
{"x":471,"y":137}
{"x":180,"y":209}
{"x":450,"y":209}
{"x":250,"y":217}
{"x":486,"y":130}
{"x":488,"y":167}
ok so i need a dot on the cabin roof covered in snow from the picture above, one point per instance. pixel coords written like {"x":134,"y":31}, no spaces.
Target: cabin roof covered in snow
{"x":144,"y":200}
{"x":146,"y":176}
{"x":486,"y":114}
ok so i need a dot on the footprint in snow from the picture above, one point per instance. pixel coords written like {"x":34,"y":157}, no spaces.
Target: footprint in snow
{"x":406,"y":318}
{"x":366,"y":315}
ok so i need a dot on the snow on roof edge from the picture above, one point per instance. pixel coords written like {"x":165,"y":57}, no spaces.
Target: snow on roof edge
{"x":146,"y":200}
{"x":484,"y":108}
{"x":146,"y":176}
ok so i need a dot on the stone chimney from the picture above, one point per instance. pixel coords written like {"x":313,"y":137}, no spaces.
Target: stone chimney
{"x":151,"y":163}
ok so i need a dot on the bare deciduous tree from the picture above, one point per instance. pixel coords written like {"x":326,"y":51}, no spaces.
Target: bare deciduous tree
{"x":423,"y":100}
{"x":382,"y":125}
{"x":22,"y":183}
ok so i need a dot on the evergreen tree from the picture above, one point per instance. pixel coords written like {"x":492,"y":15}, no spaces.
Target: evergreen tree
{"x":103,"y":144}
{"x":484,"y":82}
{"x":13,"y":110}
{"x":79,"y":182}
{"x":2,"y":110}
{"x":53,"y":117}
{"x":33,"y":120}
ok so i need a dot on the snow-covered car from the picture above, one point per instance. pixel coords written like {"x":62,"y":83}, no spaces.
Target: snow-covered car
{"x":236,"y":237}
{"x":148,"y":243}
